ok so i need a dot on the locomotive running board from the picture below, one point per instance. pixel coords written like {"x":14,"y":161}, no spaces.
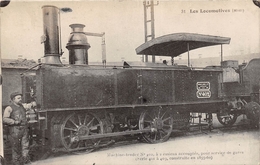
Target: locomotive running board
{"x":114,"y":134}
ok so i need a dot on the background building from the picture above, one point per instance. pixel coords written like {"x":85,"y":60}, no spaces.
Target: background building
{"x":11,"y":73}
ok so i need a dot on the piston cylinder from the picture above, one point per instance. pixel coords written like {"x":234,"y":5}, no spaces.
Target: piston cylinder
{"x":78,"y":45}
{"x":51,"y":34}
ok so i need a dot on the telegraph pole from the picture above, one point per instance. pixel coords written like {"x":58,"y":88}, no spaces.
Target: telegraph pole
{"x":149,"y":5}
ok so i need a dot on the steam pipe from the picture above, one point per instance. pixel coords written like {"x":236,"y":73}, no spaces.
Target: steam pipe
{"x":103,"y":45}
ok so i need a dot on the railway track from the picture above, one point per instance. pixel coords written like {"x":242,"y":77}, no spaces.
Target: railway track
{"x":39,"y":153}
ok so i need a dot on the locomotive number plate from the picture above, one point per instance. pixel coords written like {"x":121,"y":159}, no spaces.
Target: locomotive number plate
{"x":203,"y":94}
{"x":203,"y":85}
{"x":203,"y":90}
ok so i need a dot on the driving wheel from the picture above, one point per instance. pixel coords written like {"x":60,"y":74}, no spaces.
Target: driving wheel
{"x":160,"y":122}
{"x":80,"y":124}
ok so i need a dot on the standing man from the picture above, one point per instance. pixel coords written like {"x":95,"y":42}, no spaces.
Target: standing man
{"x":15,"y":117}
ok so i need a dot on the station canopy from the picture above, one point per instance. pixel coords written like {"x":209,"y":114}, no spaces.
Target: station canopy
{"x":177,"y":43}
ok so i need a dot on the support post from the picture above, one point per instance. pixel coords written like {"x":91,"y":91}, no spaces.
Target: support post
{"x":145,"y":29}
{"x":188,"y":48}
{"x":221,"y":54}
{"x":152,"y":26}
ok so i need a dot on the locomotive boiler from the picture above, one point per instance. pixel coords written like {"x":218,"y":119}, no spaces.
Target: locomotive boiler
{"x":83,"y":107}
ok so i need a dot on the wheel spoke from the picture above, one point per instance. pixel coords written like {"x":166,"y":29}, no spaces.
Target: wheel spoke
{"x":159,"y":133}
{"x":94,"y":127}
{"x":163,"y":114}
{"x":90,"y":121}
{"x":71,"y":129}
{"x":69,"y":145}
{"x":155,"y":114}
{"x":67,"y":137}
{"x":85,"y":119}
{"x":81,"y":144}
{"x":146,"y":121}
{"x":73,"y":123}
{"x":148,"y":115}
{"x":163,"y":133}
{"x":159,"y":112}
{"x":79,"y":120}
{"x":169,"y":118}
{"x":154,"y":137}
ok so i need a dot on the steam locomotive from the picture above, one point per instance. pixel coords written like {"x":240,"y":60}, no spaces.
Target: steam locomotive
{"x":83,"y":107}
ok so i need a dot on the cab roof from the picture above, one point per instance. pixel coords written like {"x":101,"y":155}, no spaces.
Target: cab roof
{"x":175,"y":44}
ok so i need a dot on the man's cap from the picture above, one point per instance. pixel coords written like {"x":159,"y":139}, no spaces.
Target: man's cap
{"x":15,"y":94}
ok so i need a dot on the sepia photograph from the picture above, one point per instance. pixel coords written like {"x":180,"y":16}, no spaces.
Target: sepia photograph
{"x":126,"y":82}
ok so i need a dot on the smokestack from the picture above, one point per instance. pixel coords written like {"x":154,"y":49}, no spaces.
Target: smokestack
{"x":78,"y":45}
{"x":51,"y":36}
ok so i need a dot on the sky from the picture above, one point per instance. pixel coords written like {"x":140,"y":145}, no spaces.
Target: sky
{"x":123,"y":24}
